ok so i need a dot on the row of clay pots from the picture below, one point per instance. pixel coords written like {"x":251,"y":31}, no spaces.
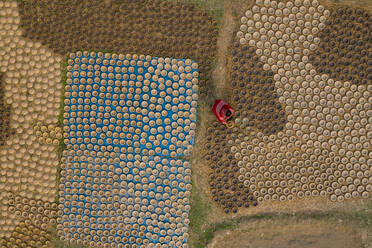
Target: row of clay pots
{"x":345,"y":43}
{"x":224,"y":172}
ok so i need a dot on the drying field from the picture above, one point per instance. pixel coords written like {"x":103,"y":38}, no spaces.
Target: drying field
{"x":300,"y":77}
{"x":303,"y":126}
{"x":36,"y":39}
{"x":150,"y":27}
{"x":105,"y":123}
{"x":127,"y":120}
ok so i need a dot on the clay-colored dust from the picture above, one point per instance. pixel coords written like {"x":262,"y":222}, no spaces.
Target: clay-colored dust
{"x":288,"y":234}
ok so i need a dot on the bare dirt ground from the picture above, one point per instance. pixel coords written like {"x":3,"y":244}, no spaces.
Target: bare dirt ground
{"x":224,"y":41}
{"x":290,"y":234}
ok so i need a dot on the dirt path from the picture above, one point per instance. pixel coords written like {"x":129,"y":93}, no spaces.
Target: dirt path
{"x":290,"y":234}
{"x":207,"y":212}
{"x":224,"y":40}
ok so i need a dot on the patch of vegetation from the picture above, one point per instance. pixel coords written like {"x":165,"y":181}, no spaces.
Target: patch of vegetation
{"x":200,"y":207}
{"x":197,"y":216}
{"x":61,"y":145}
{"x":64,"y":83}
{"x":361,"y":216}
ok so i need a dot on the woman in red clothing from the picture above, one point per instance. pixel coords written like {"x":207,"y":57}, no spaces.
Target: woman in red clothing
{"x":223,"y":111}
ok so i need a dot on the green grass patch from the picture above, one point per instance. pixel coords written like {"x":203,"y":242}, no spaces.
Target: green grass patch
{"x":198,"y":210}
{"x":208,"y":234}
{"x":198,"y":215}
{"x":363,"y":215}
